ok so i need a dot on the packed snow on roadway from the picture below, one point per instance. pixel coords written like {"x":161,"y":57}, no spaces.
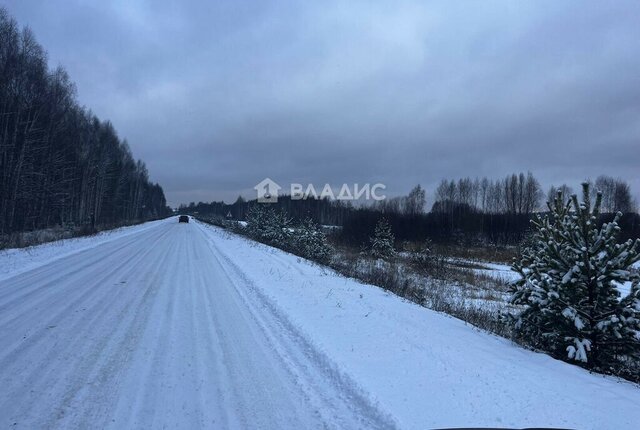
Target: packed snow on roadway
{"x":388,"y":362}
{"x":16,"y":261}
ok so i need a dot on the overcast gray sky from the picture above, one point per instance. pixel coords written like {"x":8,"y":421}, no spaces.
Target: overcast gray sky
{"x":215,"y":96}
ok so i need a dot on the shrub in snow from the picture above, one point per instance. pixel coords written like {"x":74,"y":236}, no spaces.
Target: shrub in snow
{"x":309,"y":242}
{"x":219,"y":221}
{"x":255,"y":222}
{"x":383,"y":240}
{"x":423,"y":255}
{"x":568,"y":286}
{"x":426,"y":259}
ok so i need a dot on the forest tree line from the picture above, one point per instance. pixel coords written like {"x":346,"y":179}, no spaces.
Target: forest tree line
{"x":522,"y":194}
{"x":483,"y":210}
{"x":480,"y":210}
{"x":59,"y":163}
{"x":323,"y":211}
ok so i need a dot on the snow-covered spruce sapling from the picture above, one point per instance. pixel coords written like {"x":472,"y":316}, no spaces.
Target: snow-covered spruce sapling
{"x":269,"y":226}
{"x":310,"y":242}
{"x":278,"y":229}
{"x":569,"y":286}
{"x":382,"y":242}
{"x":255,"y":222}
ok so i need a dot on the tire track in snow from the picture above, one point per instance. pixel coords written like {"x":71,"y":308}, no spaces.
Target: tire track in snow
{"x":39,"y":358}
{"x":186,"y":342}
{"x":282,"y":335}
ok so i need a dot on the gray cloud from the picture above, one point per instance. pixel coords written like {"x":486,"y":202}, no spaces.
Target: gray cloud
{"x":214,"y":96}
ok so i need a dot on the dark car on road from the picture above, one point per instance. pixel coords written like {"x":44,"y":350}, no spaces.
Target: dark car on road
{"x":183,"y":218}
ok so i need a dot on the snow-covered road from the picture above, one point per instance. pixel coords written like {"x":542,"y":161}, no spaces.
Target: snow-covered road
{"x":153,"y":331}
{"x":168,"y":325}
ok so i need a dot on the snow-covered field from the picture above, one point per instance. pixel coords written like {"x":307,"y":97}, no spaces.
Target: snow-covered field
{"x":503,"y":273}
{"x":500,"y":271}
{"x":186,"y":326}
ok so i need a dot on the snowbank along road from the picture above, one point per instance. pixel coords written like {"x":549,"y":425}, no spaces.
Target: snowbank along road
{"x":170,"y":325}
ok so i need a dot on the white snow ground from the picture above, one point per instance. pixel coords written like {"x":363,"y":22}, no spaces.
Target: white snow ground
{"x":185,"y":326}
{"x":15,"y":261}
{"x":503,"y":272}
{"x":497,"y":270}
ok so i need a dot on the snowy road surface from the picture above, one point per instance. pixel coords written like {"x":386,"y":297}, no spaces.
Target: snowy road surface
{"x":151,"y":331}
{"x":169,"y":325}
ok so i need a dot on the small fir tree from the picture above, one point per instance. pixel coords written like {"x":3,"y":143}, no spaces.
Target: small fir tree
{"x":311,"y":243}
{"x":269,"y":226}
{"x":277,"y":229}
{"x":382,"y":242}
{"x":255,"y":222}
{"x":569,"y":285}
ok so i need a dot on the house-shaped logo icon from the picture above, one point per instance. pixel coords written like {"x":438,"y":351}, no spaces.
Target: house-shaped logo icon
{"x":267,"y":191}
